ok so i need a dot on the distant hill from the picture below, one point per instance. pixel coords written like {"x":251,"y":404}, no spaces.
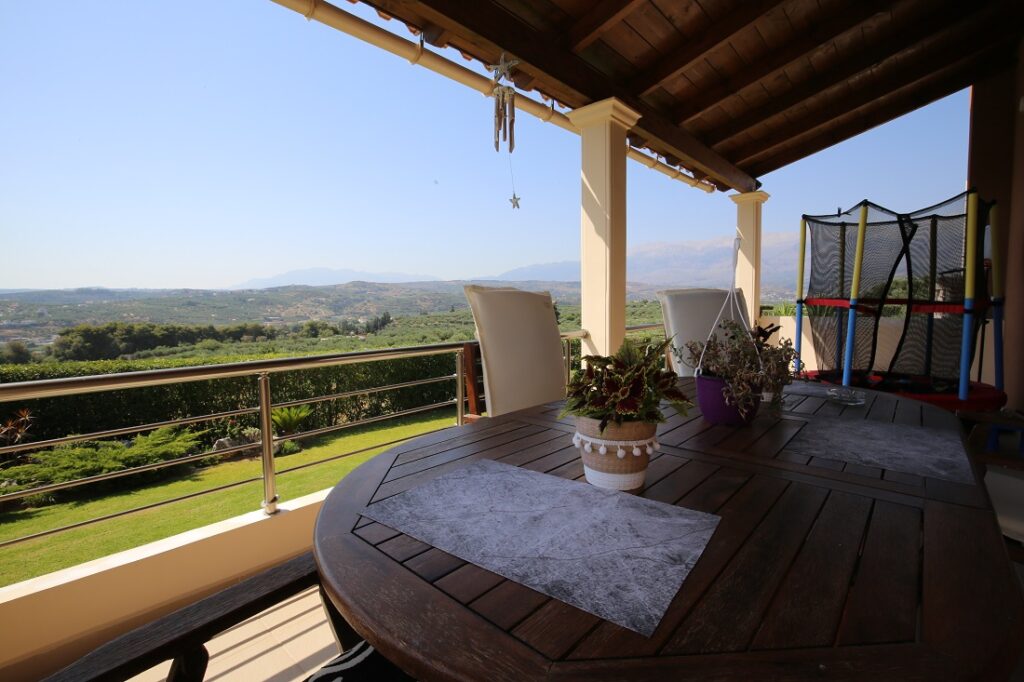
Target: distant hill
{"x":40,"y":314}
{"x":327,"y":276}
{"x":686,"y":263}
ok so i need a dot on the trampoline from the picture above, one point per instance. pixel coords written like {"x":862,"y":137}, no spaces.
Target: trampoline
{"x":918,"y":279}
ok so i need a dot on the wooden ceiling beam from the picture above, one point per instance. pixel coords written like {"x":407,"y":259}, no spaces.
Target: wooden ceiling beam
{"x":893,"y":105}
{"x":925,"y":34}
{"x":891,"y":76}
{"x":598,"y":20}
{"x":498,"y":30}
{"x":822,"y":33}
{"x":686,"y":52}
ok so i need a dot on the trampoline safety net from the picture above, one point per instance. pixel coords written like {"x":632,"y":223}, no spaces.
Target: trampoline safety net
{"x":912,"y":283}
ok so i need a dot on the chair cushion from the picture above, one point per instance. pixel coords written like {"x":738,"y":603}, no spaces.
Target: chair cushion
{"x":520,"y":347}
{"x":689,"y":315}
{"x":360,"y":662}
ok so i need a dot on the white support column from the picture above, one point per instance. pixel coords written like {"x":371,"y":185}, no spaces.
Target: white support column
{"x":748,"y":267}
{"x":603,"y":126}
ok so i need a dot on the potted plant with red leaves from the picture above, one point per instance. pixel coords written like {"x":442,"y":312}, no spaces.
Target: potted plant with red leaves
{"x":616,"y":400}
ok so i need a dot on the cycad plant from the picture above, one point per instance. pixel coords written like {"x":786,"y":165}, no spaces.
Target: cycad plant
{"x":289,"y":419}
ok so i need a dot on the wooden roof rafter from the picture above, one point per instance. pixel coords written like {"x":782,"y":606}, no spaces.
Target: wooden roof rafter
{"x":598,"y":20}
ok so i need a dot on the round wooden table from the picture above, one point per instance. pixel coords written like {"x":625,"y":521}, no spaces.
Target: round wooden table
{"x":819,"y":568}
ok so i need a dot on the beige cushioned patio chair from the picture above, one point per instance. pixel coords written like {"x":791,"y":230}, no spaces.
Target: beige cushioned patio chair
{"x":520,"y":347}
{"x":689,"y":315}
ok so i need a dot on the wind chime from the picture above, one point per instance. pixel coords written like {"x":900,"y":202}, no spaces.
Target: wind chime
{"x":505,"y":114}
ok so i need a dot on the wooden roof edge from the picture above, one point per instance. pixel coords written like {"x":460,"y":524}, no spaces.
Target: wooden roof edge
{"x":556,"y":67}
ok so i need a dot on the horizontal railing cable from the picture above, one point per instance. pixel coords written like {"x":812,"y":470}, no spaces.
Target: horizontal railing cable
{"x":367,"y":391}
{"x":126,"y":431}
{"x":67,"y":386}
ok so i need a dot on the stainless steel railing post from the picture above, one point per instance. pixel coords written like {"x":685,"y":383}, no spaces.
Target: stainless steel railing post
{"x":267,"y":438}
{"x":460,"y":376}
{"x":568,"y":360}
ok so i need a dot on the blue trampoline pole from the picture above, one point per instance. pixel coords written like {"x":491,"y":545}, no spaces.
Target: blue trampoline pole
{"x":800,"y":296}
{"x":851,"y":323}
{"x":965,"y":349}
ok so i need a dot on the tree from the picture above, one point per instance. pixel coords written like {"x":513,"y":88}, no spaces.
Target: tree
{"x":15,"y":353}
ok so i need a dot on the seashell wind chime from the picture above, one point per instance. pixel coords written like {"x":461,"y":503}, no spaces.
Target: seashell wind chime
{"x":505,"y":114}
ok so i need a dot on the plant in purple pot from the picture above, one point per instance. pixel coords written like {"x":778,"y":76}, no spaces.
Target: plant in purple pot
{"x":736,"y":369}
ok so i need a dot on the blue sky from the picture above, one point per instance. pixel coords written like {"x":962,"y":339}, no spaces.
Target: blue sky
{"x":198,"y":144}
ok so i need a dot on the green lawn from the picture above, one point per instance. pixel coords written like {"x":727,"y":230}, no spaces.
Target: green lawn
{"x":43,"y":555}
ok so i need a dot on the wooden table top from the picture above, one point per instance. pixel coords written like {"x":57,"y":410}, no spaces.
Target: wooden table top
{"x":819,"y":568}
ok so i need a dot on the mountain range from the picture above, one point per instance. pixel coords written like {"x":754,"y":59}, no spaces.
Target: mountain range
{"x":689,"y":263}
{"x":706,"y":262}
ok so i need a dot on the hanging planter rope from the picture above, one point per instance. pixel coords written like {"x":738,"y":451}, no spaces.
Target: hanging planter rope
{"x":730,"y":300}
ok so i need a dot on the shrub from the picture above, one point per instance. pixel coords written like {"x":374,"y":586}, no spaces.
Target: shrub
{"x":289,"y":447}
{"x":88,"y":412}
{"x":73,"y":461}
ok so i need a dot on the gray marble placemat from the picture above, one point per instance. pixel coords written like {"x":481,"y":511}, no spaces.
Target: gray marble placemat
{"x":612,"y":554}
{"x":910,"y":449}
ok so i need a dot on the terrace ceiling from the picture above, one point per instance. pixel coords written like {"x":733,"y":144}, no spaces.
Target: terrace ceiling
{"x":733,"y":89}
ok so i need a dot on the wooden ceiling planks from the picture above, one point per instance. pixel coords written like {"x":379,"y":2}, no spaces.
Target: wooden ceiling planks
{"x":916,"y":35}
{"x":936,"y":85}
{"x":893,"y":73}
{"x":828,"y":28}
{"x":731,"y":88}
{"x":688,"y":53}
{"x":599,"y":20}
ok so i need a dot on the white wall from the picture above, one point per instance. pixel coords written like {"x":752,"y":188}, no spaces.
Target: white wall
{"x":51,"y":621}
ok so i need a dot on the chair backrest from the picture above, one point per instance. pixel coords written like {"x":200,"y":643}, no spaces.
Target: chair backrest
{"x":520,"y":347}
{"x":689,"y":315}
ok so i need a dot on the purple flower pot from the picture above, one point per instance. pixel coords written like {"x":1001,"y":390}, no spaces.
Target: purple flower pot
{"x":713,"y":407}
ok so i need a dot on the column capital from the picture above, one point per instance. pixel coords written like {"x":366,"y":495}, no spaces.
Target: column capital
{"x":609,"y":110}
{"x":757,"y":197}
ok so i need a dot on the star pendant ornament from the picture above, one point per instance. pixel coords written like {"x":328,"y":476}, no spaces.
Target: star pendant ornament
{"x":514,"y":200}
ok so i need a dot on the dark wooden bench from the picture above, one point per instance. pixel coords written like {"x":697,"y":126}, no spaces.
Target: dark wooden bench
{"x":181,"y":636}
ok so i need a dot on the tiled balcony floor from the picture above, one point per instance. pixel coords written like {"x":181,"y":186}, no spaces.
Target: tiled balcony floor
{"x":287,"y":642}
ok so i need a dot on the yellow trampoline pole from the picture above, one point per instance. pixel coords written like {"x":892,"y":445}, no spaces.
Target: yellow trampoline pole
{"x":851,"y":321}
{"x":969,"y":275}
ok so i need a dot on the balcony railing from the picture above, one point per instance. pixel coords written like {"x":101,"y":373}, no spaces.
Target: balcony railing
{"x":262,"y":371}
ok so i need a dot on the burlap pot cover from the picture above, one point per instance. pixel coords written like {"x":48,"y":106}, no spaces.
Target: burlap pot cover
{"x":608,"y":470}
